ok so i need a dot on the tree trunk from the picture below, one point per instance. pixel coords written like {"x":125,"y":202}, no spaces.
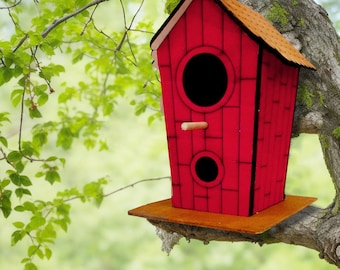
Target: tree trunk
{"x":307,"y":26}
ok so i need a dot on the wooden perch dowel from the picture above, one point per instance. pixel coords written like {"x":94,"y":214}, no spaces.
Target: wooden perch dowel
{"x":194,"y":125}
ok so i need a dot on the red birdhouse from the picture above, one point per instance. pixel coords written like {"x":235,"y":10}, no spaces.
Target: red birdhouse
{"x":229,"y":82}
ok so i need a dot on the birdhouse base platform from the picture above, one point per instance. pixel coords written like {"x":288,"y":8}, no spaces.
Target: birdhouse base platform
{"x":255,"y":224}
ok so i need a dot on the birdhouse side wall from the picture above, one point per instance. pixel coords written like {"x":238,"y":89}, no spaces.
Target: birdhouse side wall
{"x":205,"y":27}
{"x":277,"y":102}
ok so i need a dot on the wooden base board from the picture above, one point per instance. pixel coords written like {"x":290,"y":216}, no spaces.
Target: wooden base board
{"x":256,"y":224}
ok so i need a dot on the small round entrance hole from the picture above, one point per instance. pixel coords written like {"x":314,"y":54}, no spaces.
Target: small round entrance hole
{"x":205,"y":79}
{"x":206,"y":169}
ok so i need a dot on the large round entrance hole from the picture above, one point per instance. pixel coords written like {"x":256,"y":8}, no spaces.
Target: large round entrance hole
{"x":205,"y":79}
{"x":206,"y":169}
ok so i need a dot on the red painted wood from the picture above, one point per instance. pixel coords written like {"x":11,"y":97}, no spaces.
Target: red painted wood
{"x":177,"y":44}
{"x":275,"y":123}
{"x":212,"y":27}
{"x":249,"y":57}
{"x":247,"y":114}
{"x":173,"y":155}
{"x":215,"y":199}
{"x":215,"y":122}
{"x":231,"y":142}
{"x":194,"y":25}
{"x":198,"y":136}
{"x":263,"y":135}
{"x":230,"y":134}
{"x":200,"y":191}
{"x":232,"y":44}
{"x":163,"y":54}
{"x":244,"y":188}
{"x":201,"y":204}
{"x":176,"y":196}
{"x":215,"y":145}
{"x":187,"y":187}
{"x":230,"y":201}
{"x":184,"y":138}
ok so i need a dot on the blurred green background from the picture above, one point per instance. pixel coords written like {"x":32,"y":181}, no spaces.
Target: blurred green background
{"x":107,"y":238}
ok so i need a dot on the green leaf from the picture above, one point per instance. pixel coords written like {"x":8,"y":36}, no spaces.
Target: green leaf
{"x":4,"y":183}
{"x":29,"y":206}
{"x":170,"y":5}
{"x":52,"y":158}
{"x":19,"y":166}
{"x":48,"y":49}
{"x":16,"y":96}
{"x":40,"y":138}
{"x":47,"y":234}
{"x":35,"y":113}
{"x":103,"y":146}
{"x":35,"y":250}
{"x":52,"y":177}
{"x":5,"y":204}
{"x":19,"y":225}
{"x":47,"y":72}
{"x":89,"y":143}
{"x":15,"y":178}
{"x":4,"y":118}
{"x":20,"y":192}
{"x":27,"y":149}
{"x":14,"y":156}
{"x":30,"y":266}
{"x":17,"y":236}
{"x":43,"y":98}
{"x":65,"y":138}
{"x":19,"y":208}
{"x":31,"y":250}
{"x":48,"y":253}
{"x":36,"y":222}
{"x":39,"y":174}
{"x":3,"y":141}
{"x":25,"y":181}
{"x":6,"y":74}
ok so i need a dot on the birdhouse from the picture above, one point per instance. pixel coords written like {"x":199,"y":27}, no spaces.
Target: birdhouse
{"x":229,"y":81}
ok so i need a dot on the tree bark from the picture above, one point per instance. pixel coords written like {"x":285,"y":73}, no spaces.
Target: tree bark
{"x":307,"y":26}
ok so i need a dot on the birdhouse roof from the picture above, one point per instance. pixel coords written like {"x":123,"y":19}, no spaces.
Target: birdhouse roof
{"x":251,"y":20}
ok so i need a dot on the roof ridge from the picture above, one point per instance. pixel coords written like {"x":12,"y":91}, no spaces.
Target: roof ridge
{"x":258,"y":25}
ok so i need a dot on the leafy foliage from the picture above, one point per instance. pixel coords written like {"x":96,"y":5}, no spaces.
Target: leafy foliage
{"x":41,"y":37}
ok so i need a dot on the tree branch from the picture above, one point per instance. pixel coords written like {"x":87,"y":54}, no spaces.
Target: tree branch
{"x":311,"y":228}
{"x":65,"y":18}
{"x":13,"y":5}
{"x":59,"y":21}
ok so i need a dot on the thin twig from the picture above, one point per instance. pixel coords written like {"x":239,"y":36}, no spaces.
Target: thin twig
{"x":136,"y":183}
{"x":12,"y":6}
{"x":136,"y":13}
{"x":128,"y":28}
{"x":65,"y":18}
{"x":123,"y":188}
{"x":20,"y":43}
{"x":89,"y":20}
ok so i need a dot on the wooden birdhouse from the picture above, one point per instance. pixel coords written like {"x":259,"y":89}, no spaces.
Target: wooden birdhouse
{"x":229,"y":82}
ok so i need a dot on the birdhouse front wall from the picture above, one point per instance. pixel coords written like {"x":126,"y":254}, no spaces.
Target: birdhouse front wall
{"x":209,"y":69}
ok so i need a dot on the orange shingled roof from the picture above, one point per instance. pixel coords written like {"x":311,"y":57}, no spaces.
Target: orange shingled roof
{"x":261,"y":28}
{"x":252,"y":20}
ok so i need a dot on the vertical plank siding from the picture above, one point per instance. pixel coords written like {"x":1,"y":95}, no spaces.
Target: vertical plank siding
{"x":277,"y":103}
{"x":232,"y":131}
